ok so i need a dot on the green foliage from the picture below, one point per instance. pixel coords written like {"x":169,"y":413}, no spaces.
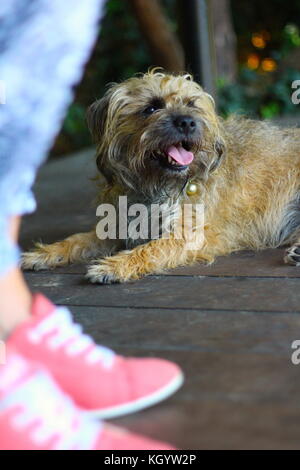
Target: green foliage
{"x":74,"y":124}
{"x":258,"y":95}
{"x":290,"y":38}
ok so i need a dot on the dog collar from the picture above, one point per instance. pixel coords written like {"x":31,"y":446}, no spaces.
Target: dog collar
{"x":191,"y":189}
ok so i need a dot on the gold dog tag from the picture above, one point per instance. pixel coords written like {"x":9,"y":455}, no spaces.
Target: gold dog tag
{"x":191,"y":189}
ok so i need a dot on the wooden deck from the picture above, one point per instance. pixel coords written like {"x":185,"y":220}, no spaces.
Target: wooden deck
{"x":230,"y":326}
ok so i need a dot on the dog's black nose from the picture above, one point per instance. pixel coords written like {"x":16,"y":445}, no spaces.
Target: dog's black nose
{"x":185,"y":124}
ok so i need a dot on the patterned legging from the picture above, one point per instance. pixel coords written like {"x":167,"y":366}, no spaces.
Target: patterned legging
{"x":43,"y":47}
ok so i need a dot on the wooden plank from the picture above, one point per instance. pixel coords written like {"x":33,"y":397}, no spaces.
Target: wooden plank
{"x":49,"y":229}
{"x":214,"y":424}
{"x":237,"y":367}
{"x":65,"y":193}
{"x":173,"y":329}
{"x":229,"y":401}
{"x":64,"y":184}
{"x":267,"y":263}
{"x":242,"y":294}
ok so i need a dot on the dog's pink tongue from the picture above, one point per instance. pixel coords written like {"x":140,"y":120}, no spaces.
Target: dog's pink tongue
{"x":180,"y":155}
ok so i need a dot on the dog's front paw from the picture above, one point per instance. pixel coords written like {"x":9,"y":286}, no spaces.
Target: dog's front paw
{"x":292,"y":255}
{"x":42,"y":257}
{"x":102,"y":273}
{"x":113,"y":269}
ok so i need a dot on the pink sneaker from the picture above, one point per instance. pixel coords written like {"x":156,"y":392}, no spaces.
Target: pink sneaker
{"x":96,"y":378}
{"x":36,"y":415}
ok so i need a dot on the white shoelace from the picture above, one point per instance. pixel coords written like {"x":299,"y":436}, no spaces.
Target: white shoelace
{"x":42,"y":412}
{"x":69,"y":335}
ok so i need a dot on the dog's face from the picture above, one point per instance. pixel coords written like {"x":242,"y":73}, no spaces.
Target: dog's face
{"x":156,"y":131}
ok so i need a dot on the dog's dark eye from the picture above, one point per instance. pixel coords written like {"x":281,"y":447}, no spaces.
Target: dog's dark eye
{"x":191,"y":104}
{"x":150,"y":110}
{"x":154,"y":106}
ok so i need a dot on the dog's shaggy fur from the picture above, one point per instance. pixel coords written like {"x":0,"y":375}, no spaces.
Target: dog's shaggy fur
{"x":247,"y":175}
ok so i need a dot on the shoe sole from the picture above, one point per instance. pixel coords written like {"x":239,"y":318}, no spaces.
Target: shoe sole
{"x":141,"y":403}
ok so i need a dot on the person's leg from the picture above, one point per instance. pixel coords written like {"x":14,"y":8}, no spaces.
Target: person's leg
{"x":43,"y":47}
{"x":15,"y":298}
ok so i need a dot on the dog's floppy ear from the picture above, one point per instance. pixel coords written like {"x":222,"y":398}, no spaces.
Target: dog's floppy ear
{"x":96,"y":117}
{"x":220,"y":151}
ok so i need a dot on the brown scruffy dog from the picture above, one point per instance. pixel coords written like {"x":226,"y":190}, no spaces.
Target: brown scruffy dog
{"x":160,"y":141}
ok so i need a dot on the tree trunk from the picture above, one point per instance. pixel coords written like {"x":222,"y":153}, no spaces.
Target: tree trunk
{"x":165,"y":48}
{"x":196,"y":32}
{"x":225,"y":39}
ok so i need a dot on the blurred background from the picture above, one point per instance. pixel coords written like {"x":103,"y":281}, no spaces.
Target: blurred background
{"x":244,"y":52}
